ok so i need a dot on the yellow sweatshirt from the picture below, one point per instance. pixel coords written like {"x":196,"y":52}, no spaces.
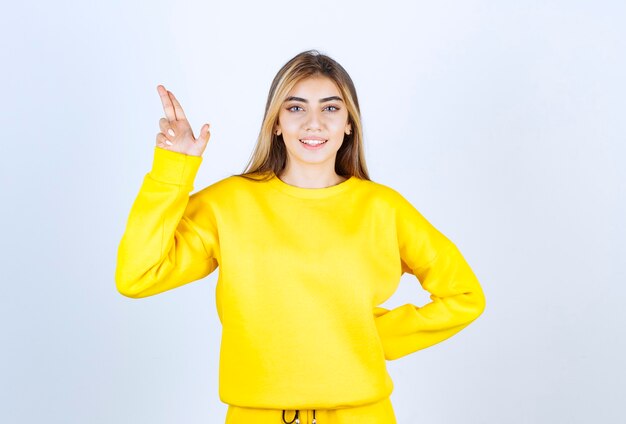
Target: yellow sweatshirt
{"x":301,"y":274}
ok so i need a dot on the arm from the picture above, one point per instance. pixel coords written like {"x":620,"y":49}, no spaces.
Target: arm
{"x":457,"y":298}
{"x":166,"y":244}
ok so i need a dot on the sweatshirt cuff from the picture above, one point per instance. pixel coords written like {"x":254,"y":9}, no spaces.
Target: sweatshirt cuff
{"x":174,"y":167}
{"x":394,"y":330}
{"x":397,"y":322}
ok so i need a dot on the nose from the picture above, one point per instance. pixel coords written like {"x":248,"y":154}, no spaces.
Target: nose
{"x":313,"y":121}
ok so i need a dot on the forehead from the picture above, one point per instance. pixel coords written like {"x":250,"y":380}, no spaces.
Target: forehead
{"x":315,"y":86}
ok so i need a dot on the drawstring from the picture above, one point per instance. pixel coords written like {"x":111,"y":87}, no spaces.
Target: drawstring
{"x":296,"y":418}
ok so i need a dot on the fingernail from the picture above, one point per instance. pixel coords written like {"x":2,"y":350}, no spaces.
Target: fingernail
{"x":171,"y":132}
{"x":168,"y":142}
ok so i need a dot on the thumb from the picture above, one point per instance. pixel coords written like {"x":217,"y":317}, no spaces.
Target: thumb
{"x":204,"y":134}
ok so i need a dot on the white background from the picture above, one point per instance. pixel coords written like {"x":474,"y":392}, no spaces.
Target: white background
{"x":502,"y":122}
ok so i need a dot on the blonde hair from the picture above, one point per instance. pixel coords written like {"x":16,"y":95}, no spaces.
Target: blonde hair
{"x":270,"y":153}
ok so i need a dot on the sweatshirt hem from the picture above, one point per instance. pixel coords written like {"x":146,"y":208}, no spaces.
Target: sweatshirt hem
{"x":322,"y":405}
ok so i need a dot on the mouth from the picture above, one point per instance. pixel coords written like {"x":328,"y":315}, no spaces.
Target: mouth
{"x":313,"y":142}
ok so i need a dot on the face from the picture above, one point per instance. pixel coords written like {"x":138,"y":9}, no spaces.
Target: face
{"x":313,"y":112}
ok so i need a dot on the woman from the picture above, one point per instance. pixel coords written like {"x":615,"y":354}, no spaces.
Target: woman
{"x":307,"y":247}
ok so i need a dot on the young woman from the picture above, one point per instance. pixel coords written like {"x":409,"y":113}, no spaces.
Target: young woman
{"x":307,"y":246}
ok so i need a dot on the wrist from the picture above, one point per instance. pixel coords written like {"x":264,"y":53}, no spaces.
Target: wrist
{"x":174,"y":167}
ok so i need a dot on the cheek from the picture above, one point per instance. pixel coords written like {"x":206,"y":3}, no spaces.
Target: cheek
{"x":337,"y":124}
{"x":288,"y":123}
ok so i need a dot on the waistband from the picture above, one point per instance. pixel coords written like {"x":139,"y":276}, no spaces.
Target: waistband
{"x":379,"y":412}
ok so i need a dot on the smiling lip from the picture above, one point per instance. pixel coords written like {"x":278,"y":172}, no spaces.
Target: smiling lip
{"x":314,"y":138}
{"x":317,"y":146}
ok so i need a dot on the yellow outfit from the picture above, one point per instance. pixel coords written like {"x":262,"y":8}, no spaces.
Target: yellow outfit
{"x":302,"y":272}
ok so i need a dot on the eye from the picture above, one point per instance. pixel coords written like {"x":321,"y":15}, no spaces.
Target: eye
{"x":331,"y":106}
{"x":290,"y":109}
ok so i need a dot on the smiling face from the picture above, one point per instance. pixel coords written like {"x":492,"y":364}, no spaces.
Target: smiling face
{"x":313,"y":121}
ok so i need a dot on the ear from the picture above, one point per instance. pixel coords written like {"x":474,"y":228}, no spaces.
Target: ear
{"x":348,"y":129}
{"x":277,"y":130}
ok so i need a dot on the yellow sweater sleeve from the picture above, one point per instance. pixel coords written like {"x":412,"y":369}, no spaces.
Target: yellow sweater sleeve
{"x":164,"y":245}
{"x":456,"y":296}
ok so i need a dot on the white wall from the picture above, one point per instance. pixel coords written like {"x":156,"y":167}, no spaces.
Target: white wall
{"x":503,"y":122}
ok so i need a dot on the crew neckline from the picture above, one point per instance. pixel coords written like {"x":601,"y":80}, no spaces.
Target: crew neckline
{"x":311,"y":193}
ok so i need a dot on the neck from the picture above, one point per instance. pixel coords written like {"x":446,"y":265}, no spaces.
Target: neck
{"x":310,"y":177}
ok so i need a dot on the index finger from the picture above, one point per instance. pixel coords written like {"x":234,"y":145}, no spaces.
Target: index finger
{"x":168,"y":107}
{"x":180,"y":115}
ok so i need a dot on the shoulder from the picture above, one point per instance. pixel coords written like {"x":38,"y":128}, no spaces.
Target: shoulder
{"x":385,"y":194}
{"x":229,"y":182}
{"x":226,"y":188}
{"x":398,"y":207}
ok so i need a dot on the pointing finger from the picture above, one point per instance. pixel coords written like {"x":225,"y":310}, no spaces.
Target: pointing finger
{"x":168,"y":107}
{"x":180,"y":115}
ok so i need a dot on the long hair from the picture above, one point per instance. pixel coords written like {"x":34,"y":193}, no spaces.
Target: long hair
{"x":270,"y":154}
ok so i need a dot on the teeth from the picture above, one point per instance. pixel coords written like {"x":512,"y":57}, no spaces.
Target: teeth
{"x":313,"y":142}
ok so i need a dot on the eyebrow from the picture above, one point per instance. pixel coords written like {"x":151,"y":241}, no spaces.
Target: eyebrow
{"x":325,"y":99}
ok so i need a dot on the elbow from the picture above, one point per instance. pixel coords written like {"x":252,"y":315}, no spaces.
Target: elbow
{"x":125,"y":289}
{"x":478,"y":303}
{"x":127,"y":286}
{"x":127,"y":293}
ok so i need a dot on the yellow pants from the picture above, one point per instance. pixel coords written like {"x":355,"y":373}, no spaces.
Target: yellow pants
{"x":380,"y":412}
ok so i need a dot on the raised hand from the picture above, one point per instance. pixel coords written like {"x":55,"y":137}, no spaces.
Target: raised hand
{"x":176,"y":134}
